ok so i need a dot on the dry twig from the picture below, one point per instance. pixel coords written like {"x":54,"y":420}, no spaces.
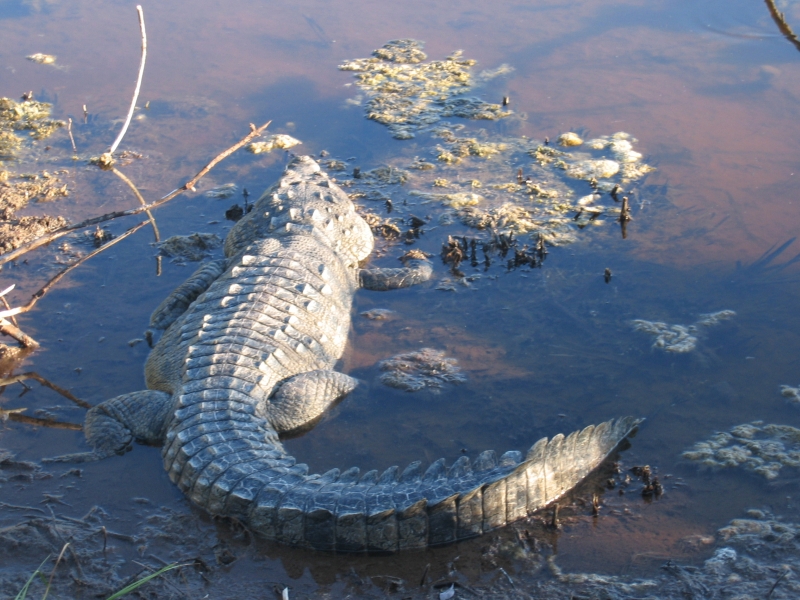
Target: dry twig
{"x":12,"y":331}
{"x":71,"y":139}
{"x":36,"y":377}
{"x":138,"y":83}
{"x":18,"y":418}
{"x":5,"y":302}
{"x":54,"y":235}
{"x":38,"y":295}
{"x":138,"y":195}
{"x":780,"y":21}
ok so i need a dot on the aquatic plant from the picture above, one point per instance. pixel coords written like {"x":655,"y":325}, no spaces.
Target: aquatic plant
{"x":415,"y":371}
{"x":408,"y":94}
{"x":680,"y":339}
{"x":759,"y":448}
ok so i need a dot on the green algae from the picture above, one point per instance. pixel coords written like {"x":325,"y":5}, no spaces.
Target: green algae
{"x":408,"y":94}
{"x":756,"y":447}
{"x":680,"y":339}
{"x":528,"y":187}
{"x":279,"y":141}
{"x":31,"y":116}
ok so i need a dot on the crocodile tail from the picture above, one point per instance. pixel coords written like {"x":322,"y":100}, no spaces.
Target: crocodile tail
{"x":350,"y":512}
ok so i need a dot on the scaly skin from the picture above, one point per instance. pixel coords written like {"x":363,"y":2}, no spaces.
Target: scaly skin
{"x":248,"y":353}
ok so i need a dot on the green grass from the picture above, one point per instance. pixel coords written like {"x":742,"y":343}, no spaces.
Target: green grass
{"x":23,"y":593}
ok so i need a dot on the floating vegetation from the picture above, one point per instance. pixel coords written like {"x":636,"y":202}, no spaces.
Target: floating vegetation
{"x":42,"y":59}
{"x":377,"y":314}
{"x":792,"y":394}
{"x":388,"y":229}
{"x":28,"y":115}
{"x":527,"y":187}
{"x":221,"y":192}
{"x":18,"y":232}
{"x":333,"y":164}
{"x":408,"y":94}
{"x":16,"y":191}
{"x":569,"y":139}
{"x":462,"y":249}
{"x":680,"y":338}
{"x":385,"y":175}
{"x":592,"y":169}
{"x":415,"y":371}
{"x":762,"y":449}
{"x":456,"y":148}
{"x":279,"y":141}
{"x":454,"y":200}
{"x":192,"y":247}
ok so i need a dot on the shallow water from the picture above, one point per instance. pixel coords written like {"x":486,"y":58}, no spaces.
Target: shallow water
{"x":710,"y":89}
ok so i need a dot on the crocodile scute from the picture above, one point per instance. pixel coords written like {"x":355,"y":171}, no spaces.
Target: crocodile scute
{"x":247,"y":354}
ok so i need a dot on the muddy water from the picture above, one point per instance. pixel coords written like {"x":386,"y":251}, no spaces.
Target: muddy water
{"x":709,"y":88}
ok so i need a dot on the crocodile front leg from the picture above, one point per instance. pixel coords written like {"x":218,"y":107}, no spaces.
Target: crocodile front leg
{"x":179,"y":300}
{"x":302,"y":399}
{"x":112,"y":426}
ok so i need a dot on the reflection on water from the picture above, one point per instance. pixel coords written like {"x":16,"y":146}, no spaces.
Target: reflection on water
{"x":711,"y":92}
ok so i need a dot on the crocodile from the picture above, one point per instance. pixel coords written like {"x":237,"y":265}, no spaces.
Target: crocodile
{"x":247,"y":355}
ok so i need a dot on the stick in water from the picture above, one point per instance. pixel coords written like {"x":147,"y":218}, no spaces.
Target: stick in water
{"x":138,"y":84}
{"x":54,"y":235}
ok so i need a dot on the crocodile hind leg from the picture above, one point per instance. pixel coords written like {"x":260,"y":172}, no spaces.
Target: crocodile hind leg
{"x":112,"y":426}
{"x":302,"y":399}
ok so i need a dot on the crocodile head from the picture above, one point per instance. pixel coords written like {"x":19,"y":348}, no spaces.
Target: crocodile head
{"x":305,"y":201}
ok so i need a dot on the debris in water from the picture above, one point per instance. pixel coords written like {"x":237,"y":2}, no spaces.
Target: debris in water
{"x":792,"y":394}
{"x":30,"y":116}
{"x":42,"y":59}
{"x":569,"y":139}
{"x":192,"y":247}
{"x":279,"y":141}
{"x":448,"y":593}
{"x":762,"y":449}
{"x":222,"y":191}
{"x":415,"y":371}
{"x":377,"y":314}
{"x":680,"y":338}
{"x":409,"y":93}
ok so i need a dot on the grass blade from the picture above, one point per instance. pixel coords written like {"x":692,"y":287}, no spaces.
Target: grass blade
{"x":136,"y":584}
{"x":24,"y":591}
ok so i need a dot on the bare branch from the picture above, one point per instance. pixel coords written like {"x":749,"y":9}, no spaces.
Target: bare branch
{"x":138,"y":83}
{"x":54,"y":235}
{"x":11,"y":330}
{"x":36,"y":377}
{"x":135,"y":191}
{"x":18,"y":418}
{"x":780,"y":21}
{"x":38,"y":295}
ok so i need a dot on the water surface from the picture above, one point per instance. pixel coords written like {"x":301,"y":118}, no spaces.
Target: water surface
{"x":709,"y":88}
